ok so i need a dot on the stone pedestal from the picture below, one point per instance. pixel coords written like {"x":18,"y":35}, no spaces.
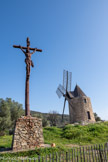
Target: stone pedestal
{"x":28,"y":133}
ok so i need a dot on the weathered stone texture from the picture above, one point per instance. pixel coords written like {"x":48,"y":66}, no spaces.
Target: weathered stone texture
{"x":28,"y":133}
{"x":78,"y":110}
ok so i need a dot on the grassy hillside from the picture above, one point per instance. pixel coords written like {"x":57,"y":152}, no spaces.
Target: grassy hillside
{"x":81,"y":135}
{"x":70,"y":134}
{"x":64,"y":138}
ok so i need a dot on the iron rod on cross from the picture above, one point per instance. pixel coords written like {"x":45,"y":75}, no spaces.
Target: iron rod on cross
{"x":29,"y":63}
{"x":39,"y":50}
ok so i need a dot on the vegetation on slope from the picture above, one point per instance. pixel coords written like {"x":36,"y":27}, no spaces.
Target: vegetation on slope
{"x":77,"y":134}
{"x":65,"y":138}
{"x":89,"y":134}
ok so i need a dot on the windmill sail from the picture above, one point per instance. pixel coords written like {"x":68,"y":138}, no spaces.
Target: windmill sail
{"x":66,"y":88}
{"x":60,"y":91}
{"x":67,"y":77}
{"x":69,"y":81}
{"x":63,"y":108}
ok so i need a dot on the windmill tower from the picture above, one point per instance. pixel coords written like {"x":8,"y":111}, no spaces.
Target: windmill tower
{"x":80,"y":108}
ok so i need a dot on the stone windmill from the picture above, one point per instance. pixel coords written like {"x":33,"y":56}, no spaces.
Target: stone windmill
{"x":80,"y":108}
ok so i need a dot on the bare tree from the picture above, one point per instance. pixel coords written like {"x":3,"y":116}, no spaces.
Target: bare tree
{"x":53,"y":118}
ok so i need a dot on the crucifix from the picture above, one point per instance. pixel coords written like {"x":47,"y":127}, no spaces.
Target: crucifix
{"x":27,"y":51}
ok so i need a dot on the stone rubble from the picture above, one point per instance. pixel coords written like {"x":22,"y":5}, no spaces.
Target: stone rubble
{"x":28,"y":133}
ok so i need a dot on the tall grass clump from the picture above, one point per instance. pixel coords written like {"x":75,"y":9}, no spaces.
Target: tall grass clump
{"x":88,"y":134}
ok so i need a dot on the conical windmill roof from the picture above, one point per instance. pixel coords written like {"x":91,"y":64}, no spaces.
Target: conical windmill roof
{"x":78,"y":92}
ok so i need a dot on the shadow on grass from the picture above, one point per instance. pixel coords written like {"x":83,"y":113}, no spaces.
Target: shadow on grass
{"x":3,"y":149}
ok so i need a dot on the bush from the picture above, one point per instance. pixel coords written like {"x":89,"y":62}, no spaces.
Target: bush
{"x":45,"y":122}
{"x":72,"y":132}
{"x":2,"y":133}
{"x":91,"y":133}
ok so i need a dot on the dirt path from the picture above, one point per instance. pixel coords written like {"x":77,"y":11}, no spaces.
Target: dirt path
{"x":9,"y":150}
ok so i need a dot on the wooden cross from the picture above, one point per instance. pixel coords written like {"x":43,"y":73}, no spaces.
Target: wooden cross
{"x":29,"y":63}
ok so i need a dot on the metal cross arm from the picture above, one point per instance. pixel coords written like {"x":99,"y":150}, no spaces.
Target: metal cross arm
{"x":39,"y":50}
{"x":29,"y":63}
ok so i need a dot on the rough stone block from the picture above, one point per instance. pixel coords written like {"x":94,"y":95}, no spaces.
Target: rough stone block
{"x":28,"y":133}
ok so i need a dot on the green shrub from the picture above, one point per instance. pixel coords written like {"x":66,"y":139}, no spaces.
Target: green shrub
{"x":81,"y":135}
{"x":34,"y":153}
{"x":85,"y":134}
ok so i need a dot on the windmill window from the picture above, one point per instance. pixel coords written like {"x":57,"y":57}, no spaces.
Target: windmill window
{"x":88,"y":114}
{"x":85,"y":100}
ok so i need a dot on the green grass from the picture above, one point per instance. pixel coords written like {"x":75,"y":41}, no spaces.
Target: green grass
{"x":34,"y":153}
{"x":54,"y":135}
{"x":80,"y":135}
{"x":5,"y":141}
{"x":89,"y":134}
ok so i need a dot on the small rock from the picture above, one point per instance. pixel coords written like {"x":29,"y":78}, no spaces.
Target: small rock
{"x":53,"y":145}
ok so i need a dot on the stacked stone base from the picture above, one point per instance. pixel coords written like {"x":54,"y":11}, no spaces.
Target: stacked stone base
{"x":28,"y":133}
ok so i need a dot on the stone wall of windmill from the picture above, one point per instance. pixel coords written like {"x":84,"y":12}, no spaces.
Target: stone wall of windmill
{"x":80,"y":108}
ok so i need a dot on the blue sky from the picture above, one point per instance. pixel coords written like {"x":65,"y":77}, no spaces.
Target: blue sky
{"x":73,"y":35}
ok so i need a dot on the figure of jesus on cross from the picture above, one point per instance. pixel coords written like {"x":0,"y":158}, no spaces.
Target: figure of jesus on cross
{"x":29,"y":63}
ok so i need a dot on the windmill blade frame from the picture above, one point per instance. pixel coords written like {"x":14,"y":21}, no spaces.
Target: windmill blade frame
{"x":64,"y":78}
{"x":64,"y":89}
{"x":63,"y":108}
{"x":67,"y":78}
{"x":59,"y":93}
{"x":69,"y":81}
